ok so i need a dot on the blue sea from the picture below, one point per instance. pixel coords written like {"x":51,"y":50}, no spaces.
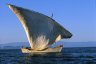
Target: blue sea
{"x":67,"y":56}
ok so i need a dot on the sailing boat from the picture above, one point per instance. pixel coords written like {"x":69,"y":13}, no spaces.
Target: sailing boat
{"x":41,"y":30}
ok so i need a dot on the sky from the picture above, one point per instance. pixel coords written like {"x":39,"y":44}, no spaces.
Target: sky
{"x":77,"y":16}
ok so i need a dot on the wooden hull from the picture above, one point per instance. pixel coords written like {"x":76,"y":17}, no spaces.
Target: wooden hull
{"x":55,"y":49}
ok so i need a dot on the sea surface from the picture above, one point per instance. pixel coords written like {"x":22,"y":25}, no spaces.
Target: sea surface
{"x":67,"y":56}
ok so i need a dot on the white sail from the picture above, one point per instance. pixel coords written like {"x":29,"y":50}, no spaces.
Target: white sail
{"x":40,"y":29}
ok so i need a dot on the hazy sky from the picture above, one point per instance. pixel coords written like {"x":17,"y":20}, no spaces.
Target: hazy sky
{"x":77,"y":16}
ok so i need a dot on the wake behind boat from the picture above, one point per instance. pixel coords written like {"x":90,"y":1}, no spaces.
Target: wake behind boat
{"x":41,"y":30}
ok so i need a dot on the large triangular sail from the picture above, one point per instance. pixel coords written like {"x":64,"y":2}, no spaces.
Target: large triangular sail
{"x":40,"y":29}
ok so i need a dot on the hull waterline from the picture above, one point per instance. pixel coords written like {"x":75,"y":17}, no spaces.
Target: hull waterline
{"x":48,"y":50}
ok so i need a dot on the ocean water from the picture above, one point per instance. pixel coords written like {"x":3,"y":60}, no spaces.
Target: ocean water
{"x":67,"y":56}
